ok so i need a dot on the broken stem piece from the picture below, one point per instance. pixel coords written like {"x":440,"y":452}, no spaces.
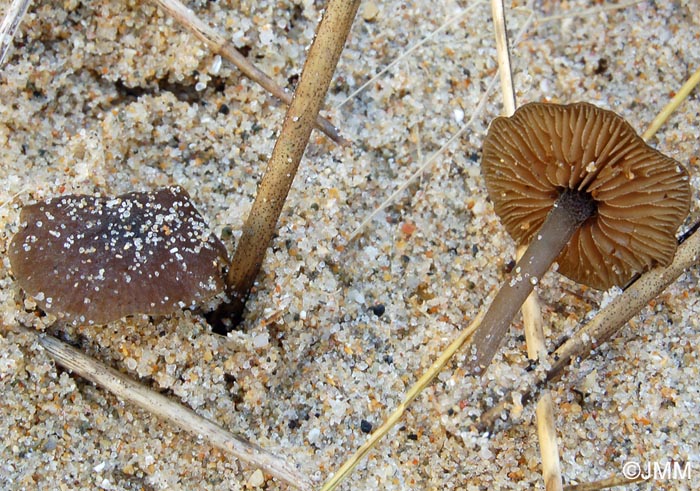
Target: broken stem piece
{"x":218,"y":44}
{"x":547,"y":437}
{"x":10,"y":23}
{"x":610,"y":482}
{"x":131,"y":391}
{"x":311,"y":90}
{"x":504,"y":71}
{"x":546,"y":427}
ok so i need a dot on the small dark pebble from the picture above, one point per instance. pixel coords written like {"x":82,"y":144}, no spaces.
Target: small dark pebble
{"x":378,"y":309}
{"x":412,"y":436}
{"x":223,"y":109}
{"x":388,"y":359}
{"x":450,"y":412}
{"x":365,"y":426}
{"x":293,"y":424}
{"x":602,"y":66}
{"x":509,"y":266}
{"x":226,"y":233}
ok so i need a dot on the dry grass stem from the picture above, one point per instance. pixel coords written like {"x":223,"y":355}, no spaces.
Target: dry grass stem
{"x":9,"y":25}
{"x":610,"y":482}
{"x":160,"y":406}
{"x":673,"y":104}
{"x":546,"y":427}
{"x":218,"y":44}
{"x":503,"y":56}
{"x":607,"y":322}
{"x":532,"y":317}
{"x":549,"y":449}
{"x":299,"y":121}
{"x":396,"y":415}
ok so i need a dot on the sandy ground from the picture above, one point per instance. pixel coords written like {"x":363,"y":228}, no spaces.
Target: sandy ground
{"x":112,"y":96}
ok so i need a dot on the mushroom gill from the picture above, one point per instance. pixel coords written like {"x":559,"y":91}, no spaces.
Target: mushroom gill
{"x":641,"y":196}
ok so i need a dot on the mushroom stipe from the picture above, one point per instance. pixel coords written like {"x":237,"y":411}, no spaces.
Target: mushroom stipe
{"x":91,"y":259}
{"x":578,"y":185}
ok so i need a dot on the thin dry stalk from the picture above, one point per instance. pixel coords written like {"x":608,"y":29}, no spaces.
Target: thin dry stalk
{"x":503,"y":56}
{"x":673,"y":104}
{"x":532,"y":318}
{"x":313,"y":84}
{"x":606,"y":323}
{"x":10,"y":23}
{"x":160,"y":406}
{"x":610,"y":482}
{"x":546,"y":427}
{"x":218,"y":44}
{"x":549,"y":449}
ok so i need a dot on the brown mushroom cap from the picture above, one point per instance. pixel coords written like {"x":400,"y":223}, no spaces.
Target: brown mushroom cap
{"x":95,"y":259}
{"x":641,"y":196}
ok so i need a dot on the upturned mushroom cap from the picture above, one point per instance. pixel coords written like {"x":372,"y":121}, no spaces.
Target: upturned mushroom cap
{"x":95,"y":259}
{"x":641,"y":196}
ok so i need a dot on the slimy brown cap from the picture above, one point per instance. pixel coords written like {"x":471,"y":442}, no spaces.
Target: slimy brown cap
{"x":94,"y":259}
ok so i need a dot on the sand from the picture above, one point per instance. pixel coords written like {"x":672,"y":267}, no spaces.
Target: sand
{"x":112,"y":97}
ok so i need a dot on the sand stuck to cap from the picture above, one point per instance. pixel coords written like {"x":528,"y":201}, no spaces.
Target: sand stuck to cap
{"x":95,"y":259}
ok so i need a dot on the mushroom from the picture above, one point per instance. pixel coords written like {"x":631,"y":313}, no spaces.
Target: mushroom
{"x":91,"y":259}
{"x":578,"y":185}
